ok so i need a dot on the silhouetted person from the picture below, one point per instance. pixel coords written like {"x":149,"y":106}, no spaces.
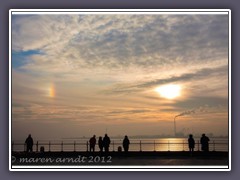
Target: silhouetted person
{"x":191,"y":143}
{"x":29,"y":143}
{"x":204,"y":142}
{"x":92,"y":142}
{"x":106,"y":143}
{"x":126,"y":143}
{"x":100,"y":144}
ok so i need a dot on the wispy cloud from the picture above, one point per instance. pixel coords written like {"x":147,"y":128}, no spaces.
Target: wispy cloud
{"x":120,"y":41}
{"x":202,"y":74}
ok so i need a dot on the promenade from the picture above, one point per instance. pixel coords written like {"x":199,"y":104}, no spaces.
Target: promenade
{"x":168,"y":158}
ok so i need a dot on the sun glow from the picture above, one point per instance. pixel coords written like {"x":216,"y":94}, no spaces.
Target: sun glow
{"x":170,"y":91}
{"x":52,"y":91}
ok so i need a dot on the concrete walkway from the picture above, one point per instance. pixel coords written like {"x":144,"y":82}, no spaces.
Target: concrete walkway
{"x":182,"y":158}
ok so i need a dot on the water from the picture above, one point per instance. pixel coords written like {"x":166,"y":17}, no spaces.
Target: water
{"x":144,"y":144}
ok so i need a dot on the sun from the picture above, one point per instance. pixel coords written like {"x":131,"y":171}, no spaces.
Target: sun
{"x":169,"y":91}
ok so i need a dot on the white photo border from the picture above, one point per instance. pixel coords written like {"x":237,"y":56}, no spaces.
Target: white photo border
{"x":119,"y":11}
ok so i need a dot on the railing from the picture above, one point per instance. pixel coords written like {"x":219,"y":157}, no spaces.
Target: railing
{"x":134,"y":146}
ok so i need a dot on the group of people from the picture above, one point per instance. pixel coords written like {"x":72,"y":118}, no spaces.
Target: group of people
{"x":204,"y":143}
{"x":104,"y":143}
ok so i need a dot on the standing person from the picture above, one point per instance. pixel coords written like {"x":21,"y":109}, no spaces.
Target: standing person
{"x":106,"y":143}
{"x":191,"y":143}
{"x":126,"y":143}
{"x":29,"y":143}
{"x":92,"y":142}
{"x":204,"y":142}
{"x":100,"y":144}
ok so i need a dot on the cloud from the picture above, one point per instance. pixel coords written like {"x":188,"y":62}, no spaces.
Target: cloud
{"x":120,"y":41}
{"x":156,"y":43}
{"x":202,"y":74}
{"x":203,"y":100}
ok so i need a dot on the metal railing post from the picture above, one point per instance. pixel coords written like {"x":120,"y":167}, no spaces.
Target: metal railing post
{"x":113,"y":146}
{"x":183,"y":145}
{"x":140,"y":146}
{"x":154,"y":146}
{"x":49,"y":146}
{"x":213,"y":145}
{"x":37,"y":147}
{"x":168,"y":146}
{"x":198,"y":145}
{"x":87,"y":146}
{"x":74,"y":146}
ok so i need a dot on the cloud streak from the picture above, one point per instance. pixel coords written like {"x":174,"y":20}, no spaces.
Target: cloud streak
{"x":201,"y":74}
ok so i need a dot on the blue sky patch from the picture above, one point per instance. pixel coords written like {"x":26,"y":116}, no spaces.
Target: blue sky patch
{"x":19,"y":58}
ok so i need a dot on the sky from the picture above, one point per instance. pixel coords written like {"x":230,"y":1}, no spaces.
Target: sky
{"x":76,"y":75}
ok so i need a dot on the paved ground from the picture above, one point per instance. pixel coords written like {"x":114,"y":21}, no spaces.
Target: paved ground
{"x":182,"y":158}
{"x":168,"y":162}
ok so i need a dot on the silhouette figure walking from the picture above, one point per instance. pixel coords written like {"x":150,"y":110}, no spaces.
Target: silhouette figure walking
{"x":92,"y":142}
{"x":106,"y":143}
{"x":191,"y":143}
{"x":29,"y":143}
{"x":100,"y":144}
{"x":204,"y":142}
{"x":126,"y":143}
